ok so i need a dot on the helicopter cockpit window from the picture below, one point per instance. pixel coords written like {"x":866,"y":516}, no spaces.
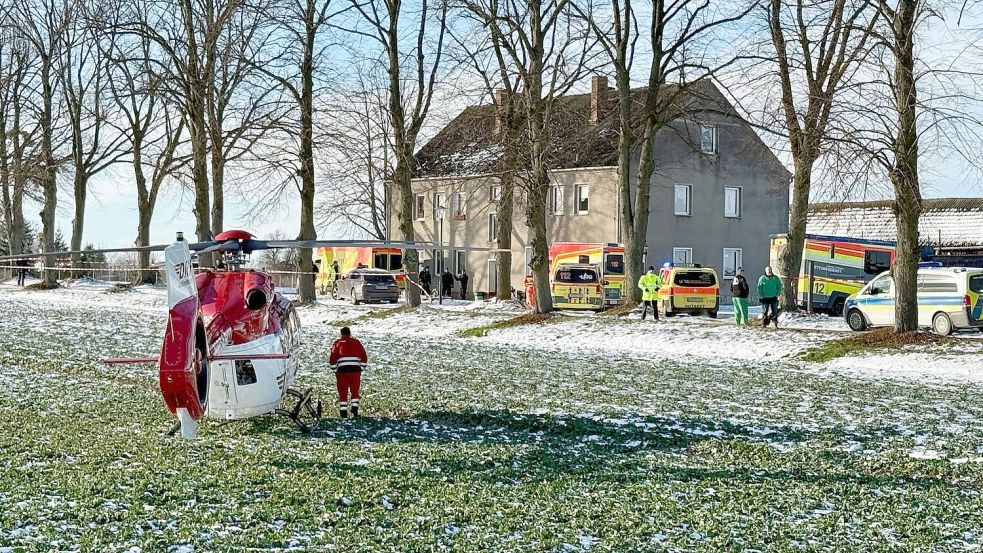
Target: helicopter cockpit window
{"x":245,"y":373}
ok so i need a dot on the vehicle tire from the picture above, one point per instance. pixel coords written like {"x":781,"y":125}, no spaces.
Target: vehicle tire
{"x":942,"y":324}
{"x":334,"y":292}
{"x":667,"y":311}
{"x":712,"y":313}
{"x":354,"y":297}
{"x":394,"y":301}
{"x":856,"y":321}
{"x":837,"y":310}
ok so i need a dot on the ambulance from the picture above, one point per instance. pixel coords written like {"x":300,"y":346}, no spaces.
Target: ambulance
{"x":689,"y":288}
{"x":949,"y":299}
{"x":608,"y":259}
{"x":349,"y":258}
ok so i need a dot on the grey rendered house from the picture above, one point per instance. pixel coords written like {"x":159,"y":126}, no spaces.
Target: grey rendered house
{"x":717,"y":194}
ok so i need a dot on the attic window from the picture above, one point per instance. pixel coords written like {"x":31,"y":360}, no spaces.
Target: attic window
{"x":494,"y":192}
{"x":708,"y":139}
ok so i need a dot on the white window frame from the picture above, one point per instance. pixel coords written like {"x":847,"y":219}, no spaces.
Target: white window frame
{"x":738,"y":261}
{"x":420,"y":207}
{"x":710,"y":148}
{"x":494,"y":193}
{"x":492,"y":227}
{"x":439,"y":201}
{"x":740,"y":201}
{"x":527,"y":259}
{"x":556,"y":200}
{"x":459,"y":206}
{"x":581,"y":192}
{"x":687,"y":255}
{"x":689,"y":199}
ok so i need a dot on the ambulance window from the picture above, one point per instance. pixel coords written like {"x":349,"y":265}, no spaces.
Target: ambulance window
{"x":695,"y":279}
{"x":614,"y":264}
{"x":876,"y":262}
{"x":395,"y":262}
{"x":576,"y":276}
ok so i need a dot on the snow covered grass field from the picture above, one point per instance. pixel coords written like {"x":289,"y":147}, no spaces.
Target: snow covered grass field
{"x":587,"y":433}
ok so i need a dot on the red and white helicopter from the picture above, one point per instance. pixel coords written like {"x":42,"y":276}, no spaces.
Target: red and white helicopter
{"x":231,"y":341}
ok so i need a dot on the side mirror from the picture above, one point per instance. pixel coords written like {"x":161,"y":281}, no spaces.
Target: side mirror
{"x":875,"y":291}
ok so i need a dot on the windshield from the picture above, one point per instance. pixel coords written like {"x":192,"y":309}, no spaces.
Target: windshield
{"x":696,"y":279}
{"x":976,"y":283}
{"x":614,"y":264}
{"x":379,"y":279}
{"x":576,"y":276}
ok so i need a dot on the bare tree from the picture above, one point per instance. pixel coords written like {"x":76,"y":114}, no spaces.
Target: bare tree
{"x":816,"y":48}
{"x":153,"y":126}
{"x":675,"y":32}
{"x":547,"y":48}
{"x":359,"y":156}
{"x":42,"y":25}
{"x":409,"y":99}
{"x":84,"y":82}
{"x":300,"y":25}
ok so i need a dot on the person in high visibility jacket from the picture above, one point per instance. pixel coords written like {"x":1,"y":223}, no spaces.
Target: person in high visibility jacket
{"x":347,"y":360}
{"x":650,"y":283}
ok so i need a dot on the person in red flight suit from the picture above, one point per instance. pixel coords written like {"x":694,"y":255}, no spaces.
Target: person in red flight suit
{"x":347,"y":360}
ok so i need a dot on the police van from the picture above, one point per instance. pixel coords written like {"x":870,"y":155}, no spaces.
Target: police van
{"x":949,"y":299}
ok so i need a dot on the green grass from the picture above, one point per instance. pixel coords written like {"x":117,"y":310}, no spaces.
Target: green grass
{"x":526,"y":319}
{"x":878,"y":340}
{"x":469,"y":446}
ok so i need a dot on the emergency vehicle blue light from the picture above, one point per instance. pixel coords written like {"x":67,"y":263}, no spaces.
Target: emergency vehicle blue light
{"x":930,"y":264}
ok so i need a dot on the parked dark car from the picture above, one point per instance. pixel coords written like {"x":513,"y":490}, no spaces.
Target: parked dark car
{"x":368,"y":285}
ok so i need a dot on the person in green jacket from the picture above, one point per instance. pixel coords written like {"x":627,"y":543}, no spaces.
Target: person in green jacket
{"x":769,"y":288}
{"x":650,"y":283}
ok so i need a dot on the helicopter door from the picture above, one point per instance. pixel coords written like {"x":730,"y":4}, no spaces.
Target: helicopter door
{"x":222,"y":398}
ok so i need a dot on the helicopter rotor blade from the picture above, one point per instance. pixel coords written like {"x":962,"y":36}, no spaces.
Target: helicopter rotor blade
{"x":312,"y":244}
{"x":195,"y":247}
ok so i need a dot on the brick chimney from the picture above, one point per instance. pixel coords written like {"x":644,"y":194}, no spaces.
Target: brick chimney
{"x":500,"y":97}
{"x":598,"y":98}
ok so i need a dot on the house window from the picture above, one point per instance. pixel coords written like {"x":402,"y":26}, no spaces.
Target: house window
{"x":420,"y":207}
{"x":460,"y":260}
{"x":494,"y":192}
{"x":708,"y":139}
{"x":460,"y":206}
{"x":732,"y":201}
{"x":527,"y":251}
{"x":556,"y":200}
{"x":682,"y":255}
{"x":492,"y":227}
{"x":732,"y":260}
{"x":684,"y":199}
{"x":439,"y":206}
{"x":582,"y":192}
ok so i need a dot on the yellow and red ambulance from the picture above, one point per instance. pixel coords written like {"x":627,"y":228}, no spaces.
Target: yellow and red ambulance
{"x":348,"y":258}
{"x":689,"y":288}
{"x":608,"y":258}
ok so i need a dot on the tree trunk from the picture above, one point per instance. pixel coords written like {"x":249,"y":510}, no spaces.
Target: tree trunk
{"x":635,"y":218}
{"x":80,"y":186}
{"x":144,"y":215}
{"x":307,"y":231}
{"x":199,"y":153}
{"x":49,"y":183}
{"x":904,"y":175}
{"x":411,"y":257}
{"x":791,"y":260}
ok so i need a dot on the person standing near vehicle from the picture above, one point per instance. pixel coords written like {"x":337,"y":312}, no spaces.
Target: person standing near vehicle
{"x":463,"y":278}
{"x":21,"y":271}
{"x":426,"y":279}
{"x":740,"y":291}
{"x":347,"y":360}
{"x":769,"y":288}
{"x":650,"y":283}
{"x":446,"y":284}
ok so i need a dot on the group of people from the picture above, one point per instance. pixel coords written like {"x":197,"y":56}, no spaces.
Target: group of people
{"x":447,"y":279}
{"x":769,"y":289}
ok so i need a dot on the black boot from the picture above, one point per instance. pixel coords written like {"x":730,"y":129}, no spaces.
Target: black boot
{"x":343,"y":413}
{"x":354,"y":411}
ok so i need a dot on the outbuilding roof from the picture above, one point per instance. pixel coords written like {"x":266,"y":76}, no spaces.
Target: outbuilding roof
{"x":945,"y":222}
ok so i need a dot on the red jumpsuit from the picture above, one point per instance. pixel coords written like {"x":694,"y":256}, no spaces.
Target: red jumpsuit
{"x":347,"y":360}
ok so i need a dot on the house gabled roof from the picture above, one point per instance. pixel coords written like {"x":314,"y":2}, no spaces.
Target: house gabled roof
{"x":945,"y":222}
{"x":469,"y":145}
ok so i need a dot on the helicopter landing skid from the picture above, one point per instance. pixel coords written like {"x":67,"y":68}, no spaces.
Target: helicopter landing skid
{"x":303,"y":408}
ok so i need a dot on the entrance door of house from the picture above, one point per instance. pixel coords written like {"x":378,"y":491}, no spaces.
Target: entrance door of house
{"x":492,"y":277}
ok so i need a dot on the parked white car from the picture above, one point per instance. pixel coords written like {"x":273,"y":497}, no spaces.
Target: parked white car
{"x":949,"y":299}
